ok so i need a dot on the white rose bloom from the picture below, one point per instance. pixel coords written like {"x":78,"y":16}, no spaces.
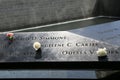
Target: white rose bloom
{"x":102,"y":52}
{"x":36,"y":45}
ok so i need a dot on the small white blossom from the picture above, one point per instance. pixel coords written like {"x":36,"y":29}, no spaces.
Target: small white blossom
{"x":36,"y":45}
{"x":102,"y":52}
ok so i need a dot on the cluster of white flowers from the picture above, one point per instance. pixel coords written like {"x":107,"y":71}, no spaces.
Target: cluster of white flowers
{"x":102,"y":52}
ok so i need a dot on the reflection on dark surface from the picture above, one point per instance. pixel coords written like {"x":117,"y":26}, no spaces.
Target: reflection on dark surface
{"x":38,"y":54}
{"x":103,"y":58}
{"x":61,"y":74}
{"x":76,"y":74}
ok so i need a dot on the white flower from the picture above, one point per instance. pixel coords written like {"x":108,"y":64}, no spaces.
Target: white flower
{"x":36,"y":45}
{"x":102,"y":52}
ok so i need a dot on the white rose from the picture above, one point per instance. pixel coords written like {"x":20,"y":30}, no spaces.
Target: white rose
{"x":102,"y":52}
{"x":36,"y":45}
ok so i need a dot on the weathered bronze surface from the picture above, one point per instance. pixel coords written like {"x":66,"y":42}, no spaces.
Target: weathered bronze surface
{"x":74,"y":45}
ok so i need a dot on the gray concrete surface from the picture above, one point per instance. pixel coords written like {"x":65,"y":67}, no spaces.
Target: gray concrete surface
{"x":15,"y":14}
